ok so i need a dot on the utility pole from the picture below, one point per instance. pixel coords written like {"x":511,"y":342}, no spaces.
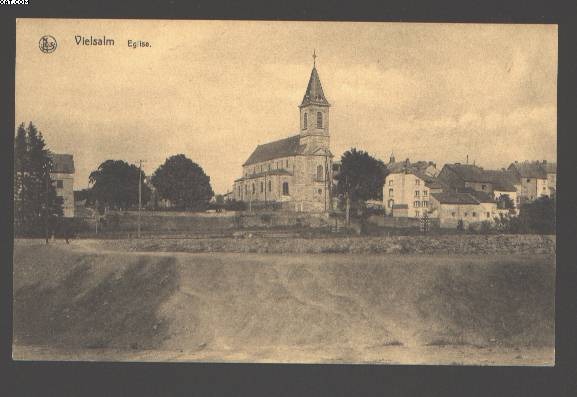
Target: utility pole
{"x":348,"y":203}
{"x":139,"y":194}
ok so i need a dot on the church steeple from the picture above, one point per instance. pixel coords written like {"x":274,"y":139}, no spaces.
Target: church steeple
{"x":314,"y":112}
{"x":314,"y":94}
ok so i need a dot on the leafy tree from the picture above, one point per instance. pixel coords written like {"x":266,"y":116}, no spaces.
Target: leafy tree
{"x":538,"y":216}
{"x":36,"y":204}
{"x":115,"y":184}
{"x":183,"y":182}
{"x":361,"y":177}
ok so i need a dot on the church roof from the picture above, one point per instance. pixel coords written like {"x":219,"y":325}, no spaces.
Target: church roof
{"x":290,"y":146}
{"x":314,"y":94}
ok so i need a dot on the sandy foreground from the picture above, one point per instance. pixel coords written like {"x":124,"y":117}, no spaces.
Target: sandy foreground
{"x":80,"y":302}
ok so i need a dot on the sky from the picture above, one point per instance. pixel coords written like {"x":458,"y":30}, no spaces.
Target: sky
{"x":214,"y":90}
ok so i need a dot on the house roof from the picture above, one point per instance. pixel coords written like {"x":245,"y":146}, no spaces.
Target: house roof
{"x":530,"y":169}
{"x":400,"y":166}
{"x":469,"y":172}
{"x":455,"y":198}
{"x":62,"y":163}
{"x":273,"y":150}
{"x":481,"y":197}
{"x":265,"y":173}
{"x":503,"y":181}
{"x":314,"y":94}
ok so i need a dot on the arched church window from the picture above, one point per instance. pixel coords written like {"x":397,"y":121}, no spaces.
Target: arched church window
{"x":285,"y":188}
{"x":305,"y":121}
{"x":319,"y":120}
{"x":320,"y":172}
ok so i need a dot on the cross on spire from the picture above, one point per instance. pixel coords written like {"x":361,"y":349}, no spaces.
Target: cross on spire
{"x":314,"y":58}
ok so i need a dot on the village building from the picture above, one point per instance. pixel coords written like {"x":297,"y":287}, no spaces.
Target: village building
{"x":459,"y":177}
{"x":294,"y":173}
{"x":533,"y":178}
{"x":466,"y":207}
{"x":62,"y":176}
{"x":407,"y":189}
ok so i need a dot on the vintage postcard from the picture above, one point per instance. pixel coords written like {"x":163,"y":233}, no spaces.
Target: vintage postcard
{"x":285,"y":192}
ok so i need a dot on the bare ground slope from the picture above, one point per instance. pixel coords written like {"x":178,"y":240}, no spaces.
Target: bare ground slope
{"x":74,"y":303}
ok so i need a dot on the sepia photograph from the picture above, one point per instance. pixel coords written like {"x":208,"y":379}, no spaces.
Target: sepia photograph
{"x":285,"y":192}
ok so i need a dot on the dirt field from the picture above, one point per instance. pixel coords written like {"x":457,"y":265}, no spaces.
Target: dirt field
{"x":80,"y":302}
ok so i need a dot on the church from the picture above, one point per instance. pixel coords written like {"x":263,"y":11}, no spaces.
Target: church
{"x":294,"y":173}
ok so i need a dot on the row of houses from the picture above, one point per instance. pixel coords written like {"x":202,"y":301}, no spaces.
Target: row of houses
{"x":464,"y":193}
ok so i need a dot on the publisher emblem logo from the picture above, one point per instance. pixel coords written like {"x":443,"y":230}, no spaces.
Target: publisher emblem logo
{"x":47,"y":44}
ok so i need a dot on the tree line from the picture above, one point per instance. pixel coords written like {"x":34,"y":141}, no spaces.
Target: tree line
{"x":37,"y":208}
{"x":115,"y":185}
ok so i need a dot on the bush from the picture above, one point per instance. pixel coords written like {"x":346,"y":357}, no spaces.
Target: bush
{"x":234,"y":205}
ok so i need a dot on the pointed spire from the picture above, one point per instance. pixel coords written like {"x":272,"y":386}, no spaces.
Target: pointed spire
{"x":314,"y":94}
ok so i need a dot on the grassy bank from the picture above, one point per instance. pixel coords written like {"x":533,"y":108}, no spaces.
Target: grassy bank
{"x":76,"y":300}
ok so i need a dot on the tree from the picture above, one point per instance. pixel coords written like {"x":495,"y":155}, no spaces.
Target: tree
{"x":183,"y":182}
{"x":115,"y":184}
{"x":35,"y":200}
{"x":361,"y":177}
{"x":538,"y":216}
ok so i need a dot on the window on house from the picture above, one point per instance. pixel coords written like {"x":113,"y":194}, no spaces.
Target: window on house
{"x":269,"y":167}
{"x":466,"y":214}
{"x":253,"y":190}
{"x":391,"y":182}
{"x":319,"y":120}
{"x":246,"y":188}
{"x":417,"y":193}
{"x":391,"y":202}
{"x":528,"y":180}
{"x":474,"y":214}
{"x":391,"y":191}
{"x":269,"y":186}
{"x":417,"y":204}
{"x":453,"y":214}
{"x":320,"y":191}
{"x":483,"y":187}
{"x":59,"y":184}
{"x":425,"y":193}
{"x":262,"y":187}
{"x":287,"y":163}
{"x":305,"y":121}
{"x":417,"y":213}
{"x":285,"y":188}
{"x":488,"y":214}
{"x":425,"y":204}
{"x":417,"y":182}
{"x":320,"y":172}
